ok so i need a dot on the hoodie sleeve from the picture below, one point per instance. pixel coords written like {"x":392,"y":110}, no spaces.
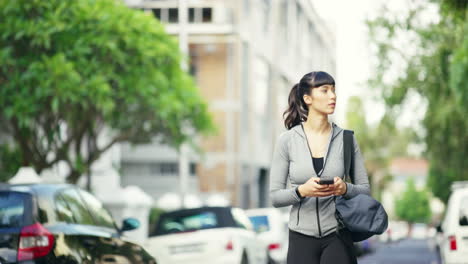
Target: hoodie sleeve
{"x":361,"y":180}
{"x":279,"y":172}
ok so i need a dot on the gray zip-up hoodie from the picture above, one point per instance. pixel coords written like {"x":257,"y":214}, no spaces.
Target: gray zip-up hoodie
{"x":314,"y":216}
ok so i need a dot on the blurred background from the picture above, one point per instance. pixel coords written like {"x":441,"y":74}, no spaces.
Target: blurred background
{"x":159,"y":106}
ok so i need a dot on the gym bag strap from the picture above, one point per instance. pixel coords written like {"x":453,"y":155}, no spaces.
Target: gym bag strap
{"x":361,"y":215}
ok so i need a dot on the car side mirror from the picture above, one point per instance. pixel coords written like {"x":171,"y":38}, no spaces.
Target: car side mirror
{"x":439,"y":228}
{"x":129,"y":224}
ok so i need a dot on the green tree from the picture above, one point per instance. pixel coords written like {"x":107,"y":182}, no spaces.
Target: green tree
{"x":413,"y":206}
{"x":435,"y":66}
{"x":10,"y":162}
{"x":73,"y":70}
{"x":378,"y":143}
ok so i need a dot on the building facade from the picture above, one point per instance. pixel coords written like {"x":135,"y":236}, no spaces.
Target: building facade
{"x":245,"y":56}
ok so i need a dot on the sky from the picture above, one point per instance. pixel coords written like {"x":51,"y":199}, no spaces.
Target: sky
{"x":353,"y":57}
{"x":347,"y":20}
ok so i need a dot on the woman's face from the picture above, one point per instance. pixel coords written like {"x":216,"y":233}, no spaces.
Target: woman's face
{"x":322,"y":99}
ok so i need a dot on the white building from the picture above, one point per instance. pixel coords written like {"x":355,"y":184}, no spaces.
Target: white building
{"x":245,"y":56}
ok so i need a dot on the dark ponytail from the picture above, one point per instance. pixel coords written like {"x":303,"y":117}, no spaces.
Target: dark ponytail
{"x":295,"y":112}
{"x":298,"y":111}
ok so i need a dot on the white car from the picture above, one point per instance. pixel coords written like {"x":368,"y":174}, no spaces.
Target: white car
{"x":221,"y":235}
{"x":454,"y":241}
{"x":272,"y":228}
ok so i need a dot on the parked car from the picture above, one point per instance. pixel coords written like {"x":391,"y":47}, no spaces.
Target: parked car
{"x":269,"y":223}
{"x":438,"y":238}
{"x":49,"y":223}
{"x":206,"y":235}
{"x":454,"y":238}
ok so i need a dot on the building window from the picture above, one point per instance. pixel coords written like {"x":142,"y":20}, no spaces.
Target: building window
{"x":206,"y":15}
{"x":193,"y":169}
{"x":193,"y":63}
{"x":173,"y":15}
{"x":191,"y":15}
{"x":169,"y":168}
{"x":164,"y":168}
{"x":155,"y":168}
{"x":200,"y":15}
{"x":157,"y":13}
{"x":193,"y":67}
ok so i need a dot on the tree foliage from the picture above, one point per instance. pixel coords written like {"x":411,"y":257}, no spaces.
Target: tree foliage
{"x":10,"y":161}
{"x":413,"y":206}
{"x":73,"y":70}
{"x":378,"y":143}
{"x":433,"y":63}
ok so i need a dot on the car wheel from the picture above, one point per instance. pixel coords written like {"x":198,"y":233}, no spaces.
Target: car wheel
{"x":245,"y":259}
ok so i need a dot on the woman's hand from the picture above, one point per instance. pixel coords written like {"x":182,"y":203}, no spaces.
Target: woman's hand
{"x":340,"y":187}
{"x":312,"y":189}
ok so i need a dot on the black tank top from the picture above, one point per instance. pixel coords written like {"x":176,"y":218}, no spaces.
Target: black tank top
{"x":318,"y":164}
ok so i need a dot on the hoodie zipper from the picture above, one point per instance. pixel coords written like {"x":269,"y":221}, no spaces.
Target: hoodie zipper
{"x":318,"y":215}
{"x":320,"y":174}
{"x":298,"y":209}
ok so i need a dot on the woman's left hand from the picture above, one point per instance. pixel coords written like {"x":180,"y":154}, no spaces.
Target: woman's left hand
{"x":339,"y":186}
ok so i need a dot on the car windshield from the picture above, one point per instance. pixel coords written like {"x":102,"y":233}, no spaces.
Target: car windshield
{"x":12,"y":208}
{"x":187,"y":222}
{"x":260,"y":223}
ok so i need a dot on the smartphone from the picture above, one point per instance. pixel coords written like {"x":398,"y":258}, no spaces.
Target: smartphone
{"x":326,"y":181}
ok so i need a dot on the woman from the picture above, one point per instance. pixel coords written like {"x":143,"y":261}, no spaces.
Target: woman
{"x":312,"y":149}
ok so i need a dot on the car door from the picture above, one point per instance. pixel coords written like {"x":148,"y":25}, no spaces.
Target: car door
{"x":256,"y":249}
{"x":75,"y":230}
{"x":113,"y":248}
{"x":462,"y":225}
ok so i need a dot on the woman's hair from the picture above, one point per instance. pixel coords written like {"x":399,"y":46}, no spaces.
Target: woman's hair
{"x":297,"y":110}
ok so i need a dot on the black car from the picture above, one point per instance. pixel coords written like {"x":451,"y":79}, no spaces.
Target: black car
{"x":50,"y":223}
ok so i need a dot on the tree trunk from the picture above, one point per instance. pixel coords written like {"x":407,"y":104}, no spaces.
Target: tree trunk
{"x":410,"y":229}
{"x":73,"y":176}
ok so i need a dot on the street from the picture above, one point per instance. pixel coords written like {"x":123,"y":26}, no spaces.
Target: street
{"x":145,"y":131}
{"x":407,"y":251}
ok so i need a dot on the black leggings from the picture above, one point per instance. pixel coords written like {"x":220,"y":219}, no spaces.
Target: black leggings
{"x":330,"y":249}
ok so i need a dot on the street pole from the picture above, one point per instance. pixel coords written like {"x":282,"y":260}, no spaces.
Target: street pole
{"x":183,"y":151}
